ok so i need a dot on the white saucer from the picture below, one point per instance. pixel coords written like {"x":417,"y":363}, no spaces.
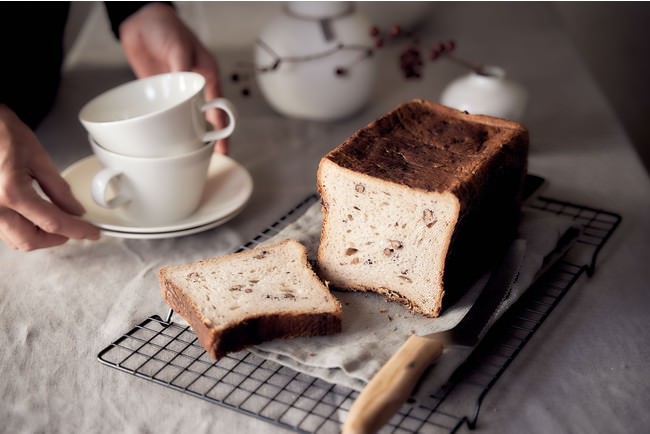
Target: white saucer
{"x":170,"y":234}
{"x":228,"y":188}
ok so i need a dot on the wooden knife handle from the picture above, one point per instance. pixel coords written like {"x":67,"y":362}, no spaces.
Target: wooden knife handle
{"x":391,"y":386}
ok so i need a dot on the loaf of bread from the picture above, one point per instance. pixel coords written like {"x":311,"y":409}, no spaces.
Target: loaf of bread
{"x":251,"y":297}
{"x":419,"y":202}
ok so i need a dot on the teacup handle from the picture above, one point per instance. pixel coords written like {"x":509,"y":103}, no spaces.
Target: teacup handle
{"x":229,"y":109}
{"x":100,"y":185}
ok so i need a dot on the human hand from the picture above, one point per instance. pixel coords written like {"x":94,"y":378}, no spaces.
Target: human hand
{"x":27,"y":221}
{"x":155,"y":40}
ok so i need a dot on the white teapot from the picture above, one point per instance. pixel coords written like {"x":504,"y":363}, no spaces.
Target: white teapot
{"x":490,"y":93}
{"x":315,"y":61}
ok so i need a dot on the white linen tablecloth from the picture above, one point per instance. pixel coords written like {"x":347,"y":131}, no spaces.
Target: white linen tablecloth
{"x":586,"y":369}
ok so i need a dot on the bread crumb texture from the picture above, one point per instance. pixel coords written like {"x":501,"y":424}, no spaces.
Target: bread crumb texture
{"x":271,"y":286}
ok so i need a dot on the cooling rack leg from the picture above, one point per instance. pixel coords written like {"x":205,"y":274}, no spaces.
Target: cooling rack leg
{"x":168,"y":318}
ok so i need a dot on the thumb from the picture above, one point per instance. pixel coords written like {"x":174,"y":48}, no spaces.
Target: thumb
{"x":55,"y":187}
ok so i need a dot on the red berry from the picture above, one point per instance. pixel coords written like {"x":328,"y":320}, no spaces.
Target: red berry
{"x":450,"y":45}
{"x":374,"y":31}
{"x":379,"y":42}
{"x":395,"y":30}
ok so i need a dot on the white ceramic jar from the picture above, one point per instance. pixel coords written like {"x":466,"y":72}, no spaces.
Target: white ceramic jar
{"x":489,"y":94}
{"x":326,"y":70}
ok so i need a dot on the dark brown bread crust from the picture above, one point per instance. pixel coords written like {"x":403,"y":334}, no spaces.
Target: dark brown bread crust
{"x":480,"y":159}
{"x":260,"y":329}
{"x":184,"y":307}
{"x":430,"y":147}
{"x":252,"y":330}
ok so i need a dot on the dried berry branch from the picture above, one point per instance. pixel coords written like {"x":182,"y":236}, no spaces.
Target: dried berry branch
{"x":410,"y":59}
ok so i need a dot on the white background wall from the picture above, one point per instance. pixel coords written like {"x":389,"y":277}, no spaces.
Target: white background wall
{"x":614,"y":39}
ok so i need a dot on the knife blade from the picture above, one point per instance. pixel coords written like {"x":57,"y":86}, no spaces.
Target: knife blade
{"x":393,"y":383}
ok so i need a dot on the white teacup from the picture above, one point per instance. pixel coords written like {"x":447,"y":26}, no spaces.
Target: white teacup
{"x":151,"y":191}
{"x":158,"y":116}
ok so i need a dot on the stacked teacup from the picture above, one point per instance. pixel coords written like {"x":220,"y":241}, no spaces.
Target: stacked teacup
{"x":155,"y":145}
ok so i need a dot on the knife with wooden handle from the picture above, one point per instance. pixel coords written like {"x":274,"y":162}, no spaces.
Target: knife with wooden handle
{"x":394,"y":382}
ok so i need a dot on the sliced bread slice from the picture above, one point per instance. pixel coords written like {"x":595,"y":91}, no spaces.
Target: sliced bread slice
{"x":251,"y":297}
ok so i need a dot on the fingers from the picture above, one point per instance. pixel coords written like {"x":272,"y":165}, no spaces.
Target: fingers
{"x":19,"y":196}
{"x":20,"y":234}
{"x":27,"y":220}
{"x":54,"y":186}
{"x":57,"y":217}
{"x":142,"y":61}
{"x":207,"y":66}
{"x":222,"y":147}
{"x":59,"y":192}
{"x":180,"y":58}
{"x":146,"y":66}
{"x":53,"y":220}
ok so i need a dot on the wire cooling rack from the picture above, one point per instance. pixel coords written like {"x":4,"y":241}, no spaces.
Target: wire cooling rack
{"x":169,"y":354}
